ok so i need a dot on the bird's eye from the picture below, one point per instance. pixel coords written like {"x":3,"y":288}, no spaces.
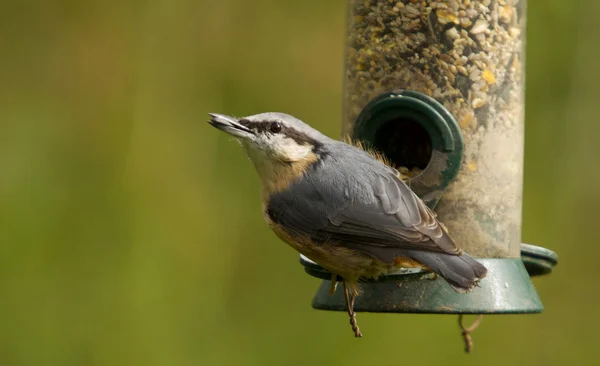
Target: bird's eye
{"x":275,"y":127}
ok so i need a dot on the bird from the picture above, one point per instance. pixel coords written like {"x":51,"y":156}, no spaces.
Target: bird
{"x":344,"y":207}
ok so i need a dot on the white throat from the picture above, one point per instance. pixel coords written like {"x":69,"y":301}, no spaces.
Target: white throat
{"x":271,"y":154}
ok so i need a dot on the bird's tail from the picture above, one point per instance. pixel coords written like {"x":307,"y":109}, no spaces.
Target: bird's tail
{"x":462,"y":272}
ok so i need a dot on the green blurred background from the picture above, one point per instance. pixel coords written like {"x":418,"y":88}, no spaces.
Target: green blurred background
{"x":131,"y":232}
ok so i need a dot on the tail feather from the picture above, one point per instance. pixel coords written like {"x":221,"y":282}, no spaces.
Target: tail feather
{"x":462,"y":272}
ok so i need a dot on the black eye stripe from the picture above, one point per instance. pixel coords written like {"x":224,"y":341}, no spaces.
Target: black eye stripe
{"x":261,"y":126}
{"x":287,"y":131}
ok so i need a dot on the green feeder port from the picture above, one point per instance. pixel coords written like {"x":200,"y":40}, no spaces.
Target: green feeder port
{"x":438,"y":90}
{"x":416,"y":132}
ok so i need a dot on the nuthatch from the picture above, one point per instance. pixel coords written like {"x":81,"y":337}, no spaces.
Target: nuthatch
{"x":343,"y":208}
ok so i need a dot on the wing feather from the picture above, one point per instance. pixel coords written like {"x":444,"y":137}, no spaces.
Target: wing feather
{"x":397,"y":218}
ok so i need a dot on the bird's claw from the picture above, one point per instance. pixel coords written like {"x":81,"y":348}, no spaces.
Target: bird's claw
{"x":333,"y":285}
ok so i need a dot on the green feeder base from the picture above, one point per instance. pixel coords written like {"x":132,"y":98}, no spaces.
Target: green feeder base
{"x":507,"y":289}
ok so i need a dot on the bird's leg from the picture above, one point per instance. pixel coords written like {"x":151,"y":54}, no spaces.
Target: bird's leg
{"x":333,"y":284}
{"x":350,"y":304}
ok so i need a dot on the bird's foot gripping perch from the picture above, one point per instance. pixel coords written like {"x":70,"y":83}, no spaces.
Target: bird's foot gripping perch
{"x":350,"y":304}
{"x":333,"y":286}
{"x":350,"y":295}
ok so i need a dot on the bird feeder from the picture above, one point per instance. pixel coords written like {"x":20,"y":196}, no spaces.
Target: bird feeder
{"x":437,"y":87}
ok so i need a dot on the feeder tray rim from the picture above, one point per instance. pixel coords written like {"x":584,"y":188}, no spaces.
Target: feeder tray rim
{"x":537,"y":260}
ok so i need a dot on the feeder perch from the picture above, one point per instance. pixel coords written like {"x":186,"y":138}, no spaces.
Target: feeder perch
{"x":437,"y":87}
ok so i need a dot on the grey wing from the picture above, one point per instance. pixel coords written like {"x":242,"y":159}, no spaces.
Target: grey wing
{"x":376,"y":213}
{"x":395,"y":218}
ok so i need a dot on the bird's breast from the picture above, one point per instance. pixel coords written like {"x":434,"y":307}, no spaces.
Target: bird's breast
{"x":277,"y":176}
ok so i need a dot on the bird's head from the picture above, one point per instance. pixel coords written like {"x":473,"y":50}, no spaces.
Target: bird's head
{"x":273,"y":139}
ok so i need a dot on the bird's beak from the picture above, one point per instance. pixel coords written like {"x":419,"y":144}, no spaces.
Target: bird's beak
{"x":230,"y":125}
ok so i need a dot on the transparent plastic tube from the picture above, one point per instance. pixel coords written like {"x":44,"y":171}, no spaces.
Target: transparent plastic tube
{"x":468,"y":55}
